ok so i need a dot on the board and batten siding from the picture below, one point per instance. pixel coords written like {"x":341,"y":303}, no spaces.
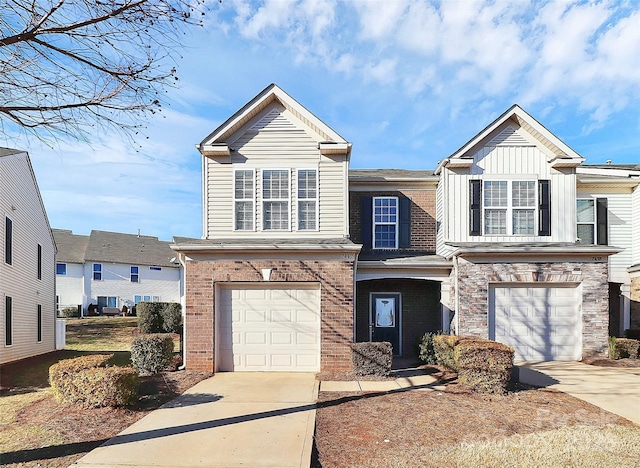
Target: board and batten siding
{"x":276,"y":141}
{"x":116,"y":282}
{"x":619,"y":227}
{"x":509,"y":163}
{"x":70,"y":287}
{"x":20,"y":201}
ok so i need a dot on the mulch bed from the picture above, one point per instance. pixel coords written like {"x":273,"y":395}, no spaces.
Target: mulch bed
{"x":603,"y":362}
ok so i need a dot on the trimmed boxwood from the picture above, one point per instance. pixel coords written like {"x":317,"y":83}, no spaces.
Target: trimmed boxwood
{"x":372,"y":358}
{"x":87,"y":382}
{"x":485,"y":366}
{"x":152,"y":353}
{"x":443,"y":347}
{"x":620,"y":348}
{"x":427,"y":351}
{"x":159,"y":317}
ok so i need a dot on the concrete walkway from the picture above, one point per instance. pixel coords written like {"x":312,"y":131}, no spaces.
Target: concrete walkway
{"x":613,"y":389}
{"x":425,"y":382}
{"x":234,"y":419}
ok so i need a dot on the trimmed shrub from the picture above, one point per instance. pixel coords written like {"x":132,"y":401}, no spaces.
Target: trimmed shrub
{"x":633,"y":333}
{"x":149,"y":318}
{"x":85,"y":381}
{"x":70,"y":312}
{"x":443,"y":347}
{"x":620,"y":348}
{"x":485,"y":366}
{"x":152,"y":353}
{"x":171,"y":314}
{"x":427,"y":351}
{"x":372,"y":358}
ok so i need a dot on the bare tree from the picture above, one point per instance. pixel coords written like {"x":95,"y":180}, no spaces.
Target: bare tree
{"x":70,"y":67}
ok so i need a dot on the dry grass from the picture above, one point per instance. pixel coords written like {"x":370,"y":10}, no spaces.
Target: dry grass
{"x":101,"y":333}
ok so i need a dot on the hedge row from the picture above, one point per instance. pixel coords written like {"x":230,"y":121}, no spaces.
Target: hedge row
{"x":87,"y":382}
{"x":620,"y":348}
{"x":483,"y":365}
{"x":152,"y":353}
{"x":159,"y":317}
{"x":372,"y":358}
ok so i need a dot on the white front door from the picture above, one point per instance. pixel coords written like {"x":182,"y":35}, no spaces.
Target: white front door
{"x":267,"y":327}
{"x":540,"y":322}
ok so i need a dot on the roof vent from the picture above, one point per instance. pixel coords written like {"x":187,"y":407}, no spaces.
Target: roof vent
{"x":608,"y":161}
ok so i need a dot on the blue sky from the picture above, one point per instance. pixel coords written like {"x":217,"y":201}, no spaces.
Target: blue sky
{"x":407,"y":82}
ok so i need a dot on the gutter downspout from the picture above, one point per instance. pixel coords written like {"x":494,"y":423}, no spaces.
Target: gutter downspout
{"x":184,"y":312}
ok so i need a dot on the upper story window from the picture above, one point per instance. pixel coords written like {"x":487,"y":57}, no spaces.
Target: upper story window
{"x":592,"y":221}
{"x":8,"y":241}
{"x":97,"y":271}
{"x":275,"y":199}
{"x":510,"y":207}
{"x":155,"y":268}
{"x":385,"y":222}
{"x":134,"y":274}
{"x":307,"y":199}
{"x":61,"y":269}
{"x":244,"y":200}
{"x":39,"y":272}
{"x":39,"y":323}
{"x":8,"y":321}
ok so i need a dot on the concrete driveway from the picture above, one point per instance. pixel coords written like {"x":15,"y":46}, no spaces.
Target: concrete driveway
{"x":230,"y":420}
{"x":611,"y":388}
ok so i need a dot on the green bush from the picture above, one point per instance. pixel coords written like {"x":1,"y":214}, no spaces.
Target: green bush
{"x":443,"y":347}
{"x":159,"y":317}
{"x":87,"y":382}
{"x":483,"y":365}
{"x":620,"y":348}
{"x":152,"y":353}
{"x":372,"y":358}
{"x":70,"y":312}
{"x":427,"y":351}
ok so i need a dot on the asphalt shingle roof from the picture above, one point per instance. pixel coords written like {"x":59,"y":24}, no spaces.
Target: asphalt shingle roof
{"x":71,"y":247}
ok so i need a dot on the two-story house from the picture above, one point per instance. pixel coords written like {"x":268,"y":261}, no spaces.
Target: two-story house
{"x":27,"y":285}
{"x":111,"y":269}
{"x":510,"y":238}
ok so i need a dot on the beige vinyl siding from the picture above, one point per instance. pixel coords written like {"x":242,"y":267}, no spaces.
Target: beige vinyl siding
{"x":620,"y":221}
{"x":19,"y":199}
{"x":510,"y":163}
{"x":275,"y":140}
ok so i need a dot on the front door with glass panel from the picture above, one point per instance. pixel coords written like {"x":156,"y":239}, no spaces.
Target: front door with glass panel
{"x":385,"y":319}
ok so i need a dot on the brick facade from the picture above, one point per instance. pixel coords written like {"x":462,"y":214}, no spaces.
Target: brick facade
{"x":336,"y":302}
{"x":423,"y":217}
{"x":635,"y":302}
{"x":474,"y":280}
{"x":420,"y":301}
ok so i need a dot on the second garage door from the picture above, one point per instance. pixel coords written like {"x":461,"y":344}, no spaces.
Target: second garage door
{"x":540,"y":323}
{"x":272,"y":328}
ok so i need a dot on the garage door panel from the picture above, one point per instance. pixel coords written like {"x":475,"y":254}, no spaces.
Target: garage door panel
{"x":540,"y":323}
{"x":278,"y":329}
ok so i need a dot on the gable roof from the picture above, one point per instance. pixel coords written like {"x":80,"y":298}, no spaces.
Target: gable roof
{"x":216,"y":142}
{"x":563,"y":154}
{"x":71,"y":247}
{"x":115,"y":247}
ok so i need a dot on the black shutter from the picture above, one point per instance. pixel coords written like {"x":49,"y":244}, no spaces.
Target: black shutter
{"x":475,"y":211}
{"x":367,"y":220}
{"x":544,"y":208}
{"x":602,"y":215}
{"x":404,"y":234}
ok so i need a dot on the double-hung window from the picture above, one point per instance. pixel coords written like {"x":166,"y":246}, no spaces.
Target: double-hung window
{"x":307,"y":199}
{"x":244,"y":200}
{"x":385,"y":222}
{"x":134,"y":274}
{"x":586,"y":217}
{"x":97,"y":271}
{"x":509,"y":207}
{"x":275,"y":200}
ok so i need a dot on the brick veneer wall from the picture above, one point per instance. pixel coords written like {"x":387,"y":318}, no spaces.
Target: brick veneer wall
{"x":635,"y":302}
{"x":423,"y":217}
{"x":336,"y":303}
{"x":473,"y":292}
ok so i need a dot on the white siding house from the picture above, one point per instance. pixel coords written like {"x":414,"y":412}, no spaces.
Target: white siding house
{"x":27,"y":325}
{"x":109,"y":269}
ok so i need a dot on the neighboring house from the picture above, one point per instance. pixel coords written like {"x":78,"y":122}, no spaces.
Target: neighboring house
{"x":27,"y":279}
{"x":511,"y":238}
{"x":110,"y":269}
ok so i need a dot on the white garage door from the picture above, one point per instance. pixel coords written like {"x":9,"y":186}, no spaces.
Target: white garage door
{"x":268,"y":328}
{"x":540,"y":323}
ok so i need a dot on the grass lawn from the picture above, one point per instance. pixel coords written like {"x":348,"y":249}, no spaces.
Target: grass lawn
{"x":37,"y":431}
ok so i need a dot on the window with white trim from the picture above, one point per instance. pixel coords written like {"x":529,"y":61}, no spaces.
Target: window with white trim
{"x":244,"y":200}
{"x":97,"y":271}
{"x":586,"y":218}
{"x":135,"y":277}
{"x":385,"y":222}
{"x":275,"y":200}
{"x":61,"y":269}
{"x":307,"y":199}
{"x":509,"y":207}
